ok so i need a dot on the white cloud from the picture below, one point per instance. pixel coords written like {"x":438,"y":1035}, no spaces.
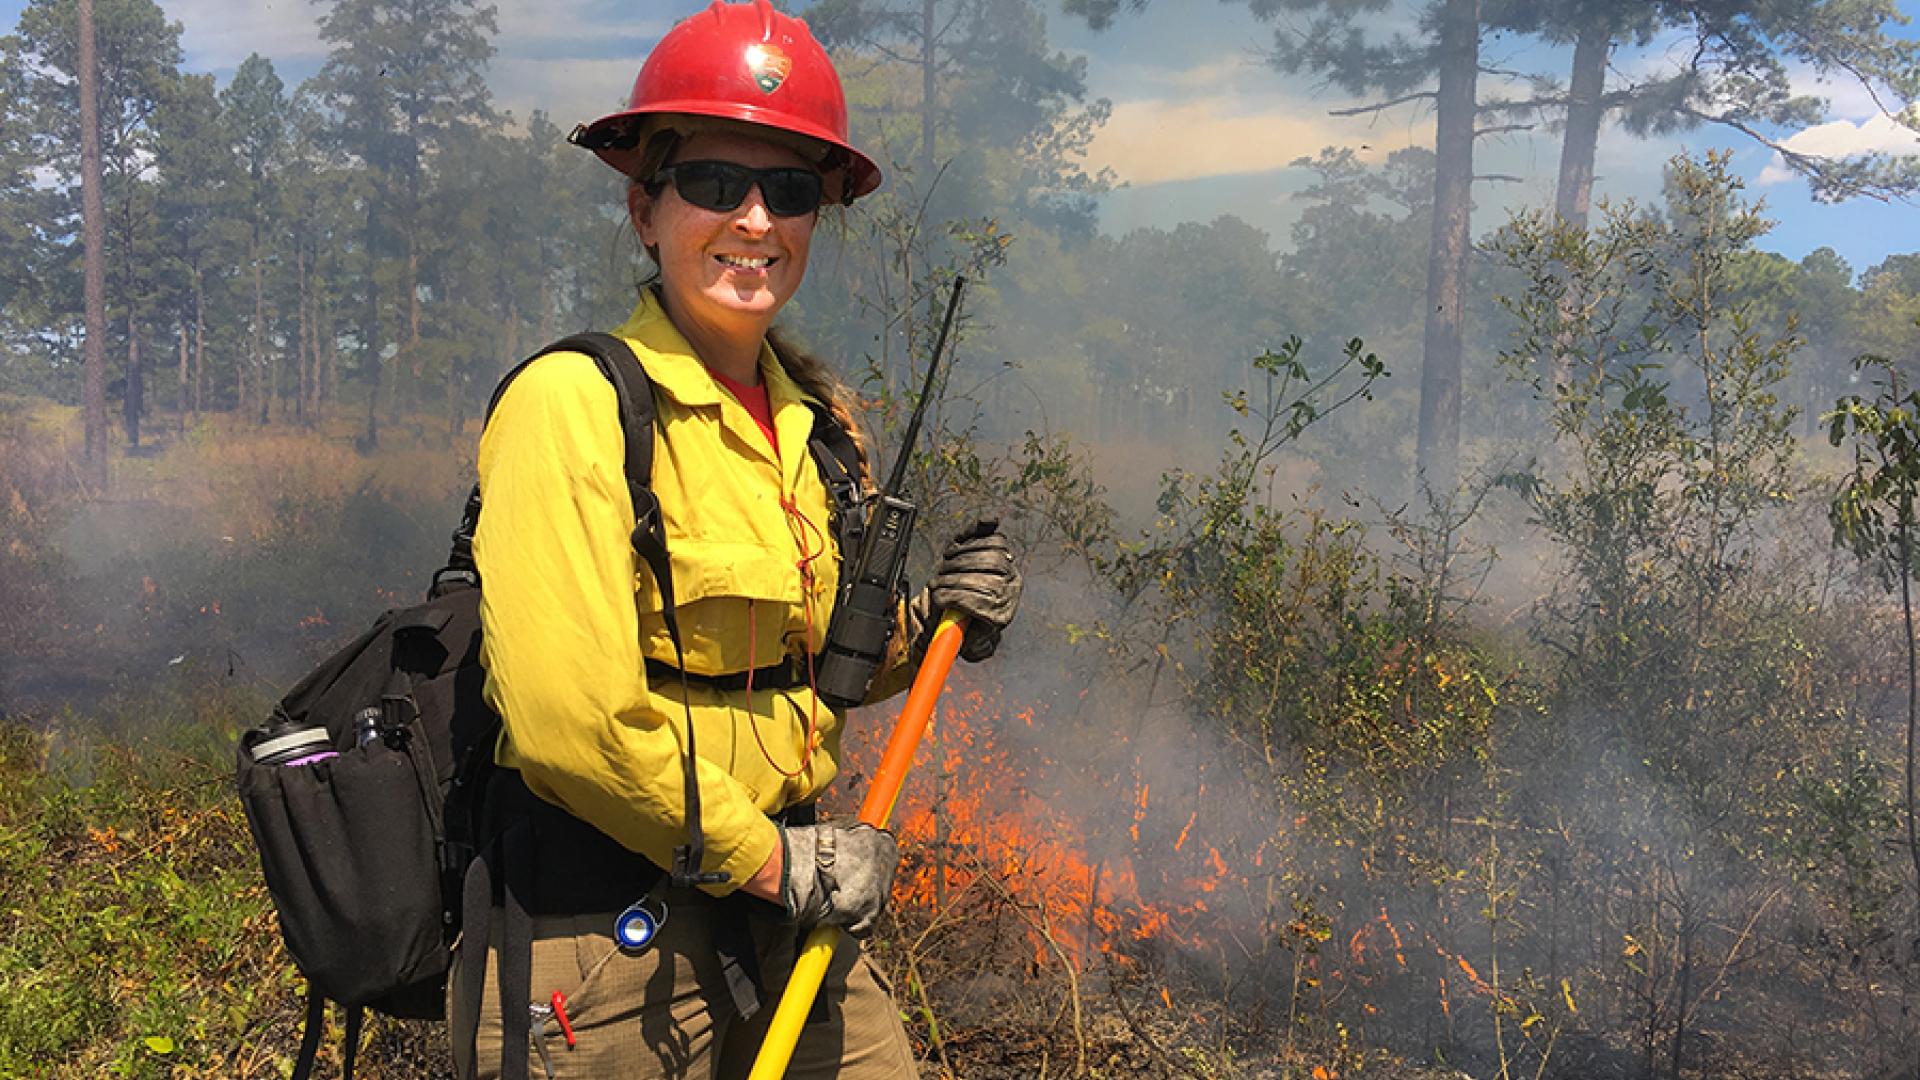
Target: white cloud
{"x":1155,"y":141}
{"x":1847,"y":97}
{"x":539,"y":48}
{"x":1218,"y":74}
{"x":218,"y":34}
{"x":573,"y":21}
{"x":1672,"y":51}
{"x":1841,"y":138}
{"x":1229,"y":114}
{"x":571,"y":91}
{"x":1125,"y":78}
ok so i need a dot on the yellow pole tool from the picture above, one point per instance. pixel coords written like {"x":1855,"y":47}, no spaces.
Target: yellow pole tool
{"x":810,"y":969}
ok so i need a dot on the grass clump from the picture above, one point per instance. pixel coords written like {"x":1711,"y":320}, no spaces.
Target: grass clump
{"x":136,"y":935}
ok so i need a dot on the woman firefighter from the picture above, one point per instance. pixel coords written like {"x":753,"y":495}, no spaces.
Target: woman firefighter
{"x":629,"y":741}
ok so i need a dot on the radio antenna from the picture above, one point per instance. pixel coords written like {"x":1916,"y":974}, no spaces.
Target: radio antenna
{"x":899,"y":474}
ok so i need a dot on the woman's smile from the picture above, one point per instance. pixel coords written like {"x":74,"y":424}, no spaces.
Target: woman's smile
{"x":724,"y":274}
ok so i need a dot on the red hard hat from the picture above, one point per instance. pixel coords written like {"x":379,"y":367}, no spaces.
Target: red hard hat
{"x":741,"y":62}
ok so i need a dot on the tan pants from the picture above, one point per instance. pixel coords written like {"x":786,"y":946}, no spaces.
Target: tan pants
{"x":665,"y":1013}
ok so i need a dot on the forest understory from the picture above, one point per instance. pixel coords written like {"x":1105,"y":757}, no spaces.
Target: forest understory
{"x":1446,"y":652}
{"x":1100,"y":881}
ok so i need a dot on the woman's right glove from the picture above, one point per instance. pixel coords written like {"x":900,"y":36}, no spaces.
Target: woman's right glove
{"x":979,"y":576}
{"x":838,"y":874}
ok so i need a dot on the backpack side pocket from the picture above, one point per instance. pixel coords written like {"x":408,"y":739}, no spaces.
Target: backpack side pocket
{"x":349,"y":849}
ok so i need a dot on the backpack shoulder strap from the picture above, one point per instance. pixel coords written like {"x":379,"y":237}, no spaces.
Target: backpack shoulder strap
{"x":634,"y":393}
{"x":833,"y":449}
{"x":838,"y":460}
{"x":830,"y":444}
{"x":631,"y":388}
{"x":639,"y":414}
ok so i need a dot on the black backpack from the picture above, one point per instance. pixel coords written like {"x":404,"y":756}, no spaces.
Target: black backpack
{"x":365,"y":853}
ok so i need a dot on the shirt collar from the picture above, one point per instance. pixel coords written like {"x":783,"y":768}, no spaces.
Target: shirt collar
{"x":672,"y":365}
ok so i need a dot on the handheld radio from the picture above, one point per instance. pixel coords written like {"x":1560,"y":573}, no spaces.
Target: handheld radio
{"x":870,"y":584}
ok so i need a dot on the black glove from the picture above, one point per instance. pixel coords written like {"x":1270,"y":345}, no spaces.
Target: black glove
{"x":979,"y":576}
{"x":837,"y":874}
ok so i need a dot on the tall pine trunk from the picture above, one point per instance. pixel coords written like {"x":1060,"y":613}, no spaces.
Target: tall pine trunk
{"x":242,"y":384}
{"x":133,"y":403}
{"x":413,"y":302}
{"x":93,"y":234}
{"x":1437,"y":464}
{"x":1574,"y":193}
{"x":180,"y":395}
{"x":199,"y":340}
{"x":370,"y":331}
{"x":547,"y":312}
{"x":512,"y":351}
{"x":262,"y":365}
{"x":411,"y":228}
{"x":307,"y":364}
{"x":452,"y":382}
{"x":328,"y":356}
{"x":927,"y":91}
{"x":456,"y":418}
{"x":276,"y":361}
{"x":416,"y":385}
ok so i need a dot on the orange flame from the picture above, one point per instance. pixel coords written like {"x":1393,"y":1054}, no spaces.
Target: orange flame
{"x":970,"y":811}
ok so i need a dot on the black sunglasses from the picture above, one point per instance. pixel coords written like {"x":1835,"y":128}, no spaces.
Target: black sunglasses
{"x":722,"y":186}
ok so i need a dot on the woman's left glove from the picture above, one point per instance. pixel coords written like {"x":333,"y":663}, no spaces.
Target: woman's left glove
{"x":979,"y":576}
{"x":838,"y":874}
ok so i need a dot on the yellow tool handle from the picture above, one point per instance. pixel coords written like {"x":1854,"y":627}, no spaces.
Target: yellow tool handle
{"x":796,"y":1001}
{"x":810,"y":967}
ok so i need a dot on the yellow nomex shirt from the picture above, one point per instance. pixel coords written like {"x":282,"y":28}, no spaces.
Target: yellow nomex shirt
{"x":565,"y":642}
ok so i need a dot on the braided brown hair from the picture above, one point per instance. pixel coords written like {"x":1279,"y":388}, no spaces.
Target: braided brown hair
{"x":812,"y":375}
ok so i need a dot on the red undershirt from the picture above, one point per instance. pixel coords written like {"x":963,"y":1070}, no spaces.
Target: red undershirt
{"x":754,"y":400}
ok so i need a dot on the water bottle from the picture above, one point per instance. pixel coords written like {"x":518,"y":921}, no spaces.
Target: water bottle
{"x":286,"y":744}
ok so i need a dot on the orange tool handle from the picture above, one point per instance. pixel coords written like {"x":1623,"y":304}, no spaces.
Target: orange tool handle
{"x":914,"y":718}
{"x":810,"y":967}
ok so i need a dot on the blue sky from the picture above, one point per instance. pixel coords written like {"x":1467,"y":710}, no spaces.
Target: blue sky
{"x":1199,"y":129}
{"x":1201,"y":125}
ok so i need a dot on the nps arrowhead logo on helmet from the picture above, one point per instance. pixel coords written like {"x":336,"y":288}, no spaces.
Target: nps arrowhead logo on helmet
{"x":768,"y":65}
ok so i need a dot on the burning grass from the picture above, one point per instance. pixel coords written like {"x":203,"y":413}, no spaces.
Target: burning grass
{"x":1094,"y":903}
{"x":1392,"y":867}
{"x":1053,"y":922}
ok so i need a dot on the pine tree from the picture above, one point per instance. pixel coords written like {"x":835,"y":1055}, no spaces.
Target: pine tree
{"x":137,"y":52}
{"x":401,"y":76}
{"x":92,"y":230}
{"x":201,"y":204}
{"x":19,"y":238}
{"x":1441,"y":67}
{"x":978,"y":98}
{"x":1735,"y":77}
{"x":320,"y":227}
{"x":254,"y":108}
